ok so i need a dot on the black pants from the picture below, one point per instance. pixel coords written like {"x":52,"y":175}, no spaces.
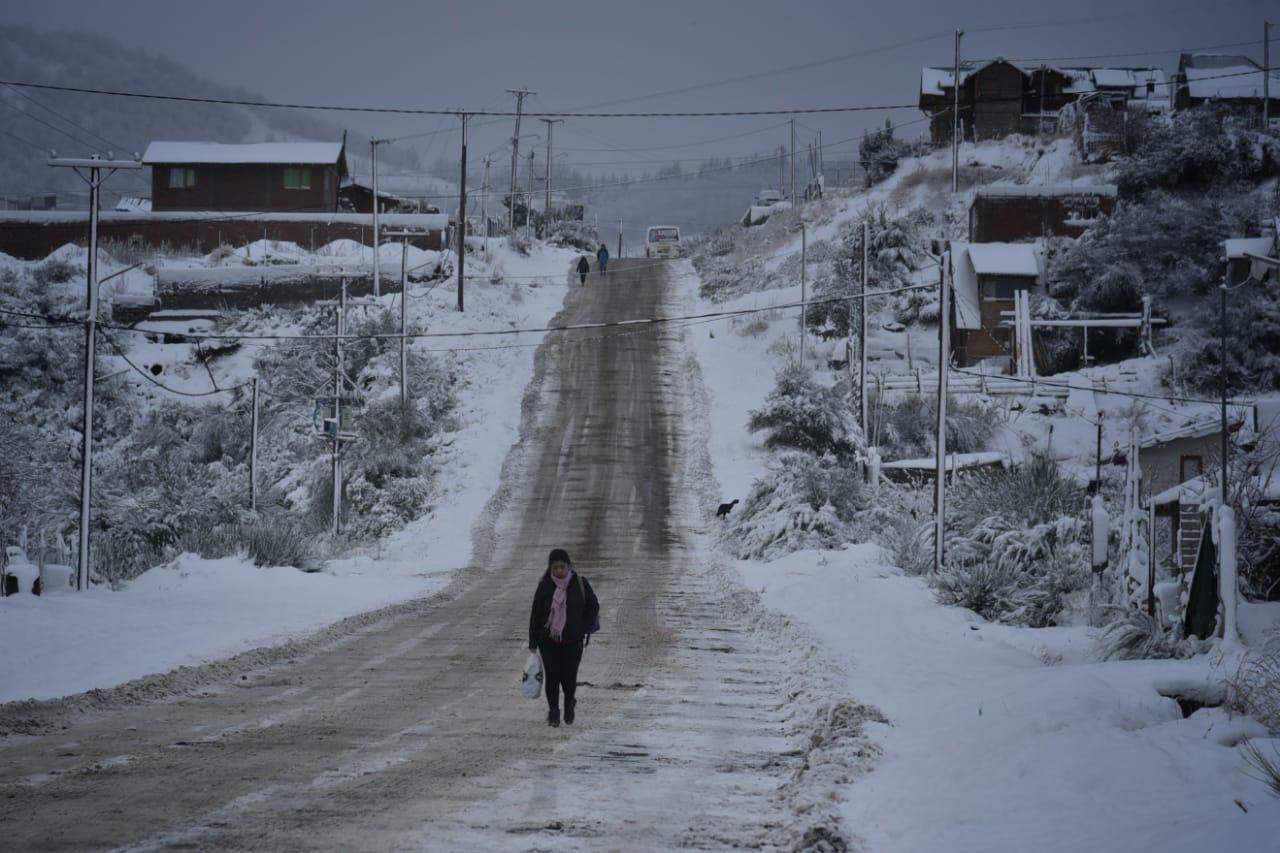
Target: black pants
{"x":560,"y":671}
{"x":582,"y":278}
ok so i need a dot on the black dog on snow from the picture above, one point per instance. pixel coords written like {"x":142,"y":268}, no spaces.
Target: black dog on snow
{"x":725,"y":509}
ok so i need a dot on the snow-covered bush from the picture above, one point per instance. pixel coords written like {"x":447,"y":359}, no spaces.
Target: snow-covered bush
{"x":1162,"y":245}
{"x":1265,"y":764}
{"x":1198,"y":148}
{"x":988,"y":589}
{"x":1254,"y":689}
{"x":575,"y":235}
{"x":1253,"y":346}
{"x":905,"y":427}
{"x":879,"y":153}
{"x":799,"y":413}
{"x":895,"y":253}
{"x":1132,"y":634}
{"x":901,"y":522}
{"x":55,"y":271}
{"x":804,"y":501}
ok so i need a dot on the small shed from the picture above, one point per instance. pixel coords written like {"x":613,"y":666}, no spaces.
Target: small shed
{"x":1243,"y":255}
{"x":280,"y":177}
{"x":984,"y":279}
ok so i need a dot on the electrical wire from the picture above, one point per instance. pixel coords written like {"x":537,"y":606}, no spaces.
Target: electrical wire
{"x":147,"y":375}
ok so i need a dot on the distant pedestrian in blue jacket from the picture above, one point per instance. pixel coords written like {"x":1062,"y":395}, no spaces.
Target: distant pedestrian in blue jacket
{"x":602,"y":258}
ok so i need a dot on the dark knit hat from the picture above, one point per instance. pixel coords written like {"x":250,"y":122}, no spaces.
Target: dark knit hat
{"x":558,"y":554}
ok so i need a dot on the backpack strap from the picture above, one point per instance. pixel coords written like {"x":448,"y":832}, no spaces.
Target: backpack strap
{"x":582,"y":589}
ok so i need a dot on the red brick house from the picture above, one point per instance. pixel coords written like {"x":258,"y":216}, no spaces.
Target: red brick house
{"x":278,"y":177}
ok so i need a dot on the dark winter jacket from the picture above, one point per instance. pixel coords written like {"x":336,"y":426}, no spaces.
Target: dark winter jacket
{"x":579,"y":615}
{"x":602,"y":256}
{"x":583,"y":265}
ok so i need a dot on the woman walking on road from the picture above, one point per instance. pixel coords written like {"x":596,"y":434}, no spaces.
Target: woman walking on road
{"x":584,"y":267}
{"x":602,"y":258}
{"x":564,"y":610}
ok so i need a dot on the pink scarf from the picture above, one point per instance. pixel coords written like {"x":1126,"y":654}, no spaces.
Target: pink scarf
{"x":559,"y":600}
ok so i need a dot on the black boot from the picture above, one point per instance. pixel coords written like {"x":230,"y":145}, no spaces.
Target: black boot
{"x":553,"y":718}
{"x":569,"y":706}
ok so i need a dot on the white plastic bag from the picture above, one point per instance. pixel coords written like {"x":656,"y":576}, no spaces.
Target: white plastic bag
{"x":531,"y":680}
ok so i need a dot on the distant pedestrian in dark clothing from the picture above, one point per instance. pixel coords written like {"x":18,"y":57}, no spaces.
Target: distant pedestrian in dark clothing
{"x":564,"y":609}
{"x":584,"y":267}
{"x":602,"y":258}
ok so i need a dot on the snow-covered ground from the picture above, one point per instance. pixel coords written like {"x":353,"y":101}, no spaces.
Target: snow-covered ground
{"x":999,"y":737}
{"x":194,"y":610}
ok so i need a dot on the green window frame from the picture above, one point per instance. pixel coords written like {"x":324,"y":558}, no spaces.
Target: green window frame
{"x":297,"y":178}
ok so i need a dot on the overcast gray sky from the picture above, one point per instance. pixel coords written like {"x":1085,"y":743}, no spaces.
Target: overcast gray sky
{"x":449,"y":55}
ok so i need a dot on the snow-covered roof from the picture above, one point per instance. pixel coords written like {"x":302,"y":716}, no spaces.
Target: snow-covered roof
{"x":1025,"y":190}
{"x":134,"y":204}
{"x":1196,"y":429}
{"x":935,"y":80}
{"x":1004,"y":259}
{"x":1232,"y":81}
{"x":955,"y":461}
{"x":428,"y":221}
{"x":964,"y":288}
{"x":301,"y":153}
{"x":1240,"y":247}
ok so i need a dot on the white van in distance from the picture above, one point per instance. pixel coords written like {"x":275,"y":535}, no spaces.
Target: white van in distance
{"x":663,"y":242}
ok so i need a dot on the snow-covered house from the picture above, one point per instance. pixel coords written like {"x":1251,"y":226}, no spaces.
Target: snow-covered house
{"x":1247,"y":257}
{"x":278,"y":177}
{"x":999,"y":97}
{"x":1020,"y":212}
{"x":984,"y":278}
{"x":1235,"y":82}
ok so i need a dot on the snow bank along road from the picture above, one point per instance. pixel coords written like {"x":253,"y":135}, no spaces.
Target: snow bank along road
{"x":408,"y":732}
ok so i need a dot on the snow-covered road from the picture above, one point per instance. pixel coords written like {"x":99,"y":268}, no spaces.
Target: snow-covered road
{"x":703,"y":721}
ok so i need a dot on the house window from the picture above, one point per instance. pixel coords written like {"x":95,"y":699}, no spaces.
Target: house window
{"x":181,"y":178}
{"x":297,"y":178}
{"x":1189,"y":467}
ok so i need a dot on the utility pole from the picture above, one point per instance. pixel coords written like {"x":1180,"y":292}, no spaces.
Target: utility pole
{"x":793,"y":161}
{"x":404,"y":317}
{"x":462,"y":208}
{"x":944,"y":359}
{"x":484,"y":216}
{"x":337,"y":406}
{"x":550,"y":123}
{"x":528,"y":195}
{"x":619,"y":236}
{"x":804,"y":249}
{"x":955,"y":120}
{"x":1222,"y":291}
{"x":93,"y":166}
{"x":515,"y":155}
{"x":862,"y":334}
{"x":1266,"y":75}
{"x":1097,"y":458}
{"x":377,"y":274}
{"x":253,"y":451}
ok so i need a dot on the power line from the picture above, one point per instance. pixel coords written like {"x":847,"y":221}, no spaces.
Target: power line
{"x":84,"y":90}
{"x":69,"y":121}
{"x":147,"y":375}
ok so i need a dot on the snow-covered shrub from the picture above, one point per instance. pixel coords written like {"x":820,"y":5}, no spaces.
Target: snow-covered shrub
{"x":55,"y":272}
{"x":799,"y":413}
{"x":905,"y":427}
{"x":1161,"y":245}
{"x":895,"y":252}
{"x":1253,"y":345}
{"x":1025,"y":495}
{"x":900,"y":521}
{"x":575,"y":235}
{"x":278,"y":542}
{"x":1264,"y":763}
{"x":1132,"y":634}
{"x":804,"y":501}
{"x":879,"y":153}
{"x":1198,"y":148}
{"x":1254,"y":689}
{"x":988,"y":589}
